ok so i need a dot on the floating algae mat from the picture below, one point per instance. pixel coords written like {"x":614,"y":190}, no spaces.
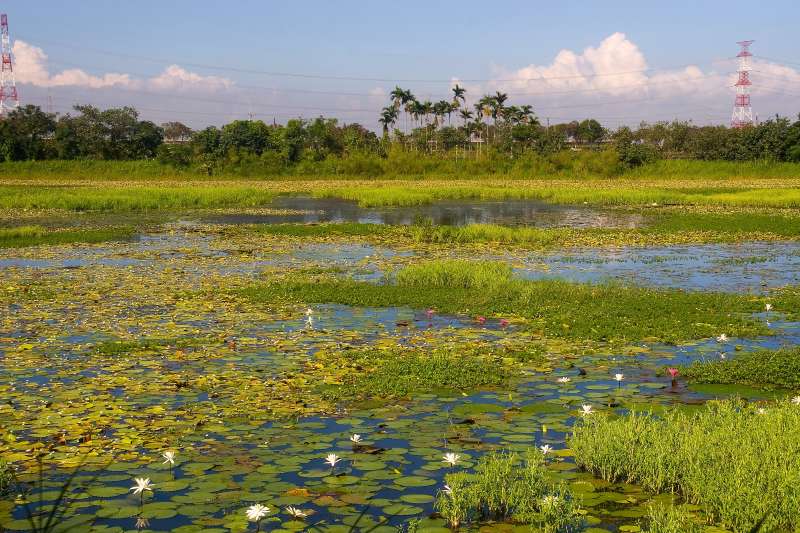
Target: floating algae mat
{"x":113,"y":354}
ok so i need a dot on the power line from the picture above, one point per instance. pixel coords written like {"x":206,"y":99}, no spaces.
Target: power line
{"x":355,"y":78}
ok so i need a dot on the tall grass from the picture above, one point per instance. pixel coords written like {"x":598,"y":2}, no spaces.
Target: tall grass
{"x":129,"y":198}
{"x":508,"y":487}
{"x":622,"y":194}
{"x":778,"y":368}
{"x":456,"y":273}
{"x":735,"y":462}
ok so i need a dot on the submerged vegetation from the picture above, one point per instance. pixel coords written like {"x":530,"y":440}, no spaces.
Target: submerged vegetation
{"x":738,"y":462}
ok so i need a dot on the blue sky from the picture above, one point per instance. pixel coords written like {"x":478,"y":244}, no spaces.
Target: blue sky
{"x":413,"y":40}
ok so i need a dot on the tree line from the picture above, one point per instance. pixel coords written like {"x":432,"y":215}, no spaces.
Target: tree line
{"x":491,"y":128}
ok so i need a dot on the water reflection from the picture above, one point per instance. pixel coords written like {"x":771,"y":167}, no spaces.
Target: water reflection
{"x":447,"y":213}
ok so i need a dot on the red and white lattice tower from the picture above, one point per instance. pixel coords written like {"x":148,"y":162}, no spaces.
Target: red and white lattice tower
{"x":9,"y":98}
{"x":742,"y":112}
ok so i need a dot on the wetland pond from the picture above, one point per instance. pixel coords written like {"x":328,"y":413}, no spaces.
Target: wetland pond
{"x":221,"y":381}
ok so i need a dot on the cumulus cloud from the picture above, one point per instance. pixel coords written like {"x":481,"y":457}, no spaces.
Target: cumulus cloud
{"x":175,"y":77}
{"x":32,"y":68}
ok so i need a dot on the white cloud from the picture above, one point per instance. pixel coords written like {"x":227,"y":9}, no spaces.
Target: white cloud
{"x":32,"y":68}
{"x":175,"y":77}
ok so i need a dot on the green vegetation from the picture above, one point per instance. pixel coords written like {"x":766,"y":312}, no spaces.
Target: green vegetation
{"x":626,"y":193}
{"x":345,"y":229}
{"x":36,"y":235}
{"x":671,"y":519}
{"x":554,"y":308}
{"x":456,"y":274}
{"x":6,"y":477}
{"x":737,"y":463}
{"x":117,"y":348}
{"x":399,"y":373}
{"x":130,"y":198}
{"x":507,"y":487}
{"x":779,"y":368}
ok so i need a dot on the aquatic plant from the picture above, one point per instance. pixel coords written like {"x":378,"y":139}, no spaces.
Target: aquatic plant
{"x":506,"y":486}
{"x":607,"y":312}
{"x":738,"y":467}
{"x":22,"y":236}
{"x":671,"y":519}
{"x":451,"y":458}
{"x":256,"y":513}
{"x":762,"y":368}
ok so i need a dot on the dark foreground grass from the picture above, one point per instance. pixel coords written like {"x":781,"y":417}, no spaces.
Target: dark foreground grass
{"x":551,"y":307}
{"x":739,"y":464}
{"x":779,"y":368}
{"x":23,"y":236}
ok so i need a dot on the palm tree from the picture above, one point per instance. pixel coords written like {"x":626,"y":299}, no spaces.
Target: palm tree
{"x":465,"y":115}
{"x":458,"y":94}
{"x":440,"y":109}
{"x":388,"y":117}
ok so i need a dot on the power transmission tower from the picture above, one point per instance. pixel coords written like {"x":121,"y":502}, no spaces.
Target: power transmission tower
{"x":9,"y":99}
{"x":742,"y":112}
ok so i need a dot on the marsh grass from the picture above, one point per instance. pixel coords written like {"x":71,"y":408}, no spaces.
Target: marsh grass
{"x":737,"y":464}
{"x":117,"y":348}
{"x":398,"y":373}
{"x":23,"y":236}
{"x":509,"y":487}
{"x":551,"y":307}
{"x":121,"y":198}
{"x":767,"y":368}
{"x":344,"y":229}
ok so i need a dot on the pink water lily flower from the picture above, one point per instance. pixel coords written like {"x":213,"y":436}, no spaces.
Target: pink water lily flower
{"x":481,"y":319}
{"x":504,"y":323}
{"x":429,"y":313}
{"x":673,"y":372}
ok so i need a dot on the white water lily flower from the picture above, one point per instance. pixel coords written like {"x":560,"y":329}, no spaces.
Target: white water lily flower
{"x":768,"y":307}
{"x":761,"y":411}
{"x":169,"y":457}
{"x":356,"y":438}
{"x":796,"y":400}
{"x":586,"y":409}
{"x":256,"y":512}
{"x":619,"y":377}
{"x":295,"y":512}
{"x":545,"y":449}
{"x":451,"y":458}
{"x":564,"y":379}
{"x":332,"y":459}
{"x":550,"y":500}
{"x":309,"y":312}
{"x":142,"y":484}
{"x":722,"y":338}
{"x":447,"y":490}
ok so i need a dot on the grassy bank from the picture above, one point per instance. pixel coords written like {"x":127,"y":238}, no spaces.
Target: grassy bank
{"x":552,"y":308}
{"x":738,"y":464}
{"x":24,"y":236}
{"x":405,"y":165}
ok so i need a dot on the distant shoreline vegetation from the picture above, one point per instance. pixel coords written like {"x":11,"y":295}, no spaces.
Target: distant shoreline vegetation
{"x":496,"y":139}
